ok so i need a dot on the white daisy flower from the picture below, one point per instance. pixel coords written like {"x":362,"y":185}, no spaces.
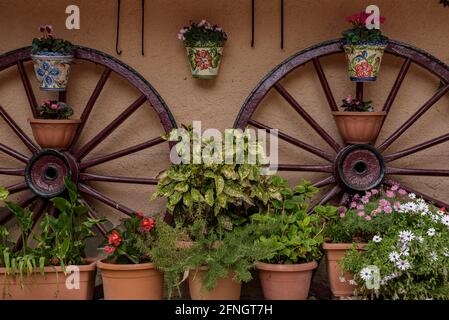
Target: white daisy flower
{"x":420,"y":239}
{"x":403,"y":265}
{"x":412,"y":196}
{"x":366,"y":274}
{"x":406,"y":236}
{"x":431,"y":232}
{"x":342,"y":279}
{"x":446,"y":253}
{"x":434,"y":256}
{"x":377,"y":239}
{"x":445,"y":220}
{"x":405,"y":252}
{"x":394,"y":256}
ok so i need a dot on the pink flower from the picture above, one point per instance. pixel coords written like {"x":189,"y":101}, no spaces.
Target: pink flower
{"x":388,"y":209}
{"x":109,"y":249}
{"x":365,"y":199}
{"x":368,"y":218}
{"x":54,"y":106}
{"x":349,"y":99}
{"x":368,"y":194}
{"x":360,"y":207}
{"x":397,"y":205}
{"x":384,"y":203}
{"x":390,"y":194}
{"x":342,"y":215}
{"x":361,"y":213}
{"x":374,"y":212}
{"x":356,"y":196}
{"x":374,"y":191}
{"x":395,"y":187}
{"x":402,"y":192}
{"x":353,"y":204}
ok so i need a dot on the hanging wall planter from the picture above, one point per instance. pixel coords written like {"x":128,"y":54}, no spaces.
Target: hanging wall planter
{"x":204,"y":44}
{"x":52,"y":58}
{"x":364,"y":48}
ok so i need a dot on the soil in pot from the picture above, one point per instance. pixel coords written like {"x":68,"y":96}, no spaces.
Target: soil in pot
{"x":131,"y":281}
{"x":54,"y":134}
{"x":286,"y":281}
{"x":335,"y":252}
{"x":51,"y":285}
{"x":359,"y":127}
{"x":226,"y":288}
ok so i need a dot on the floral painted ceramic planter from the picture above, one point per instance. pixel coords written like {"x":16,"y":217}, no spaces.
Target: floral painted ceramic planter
{"x":364,"y":61}
{"x":52,"y":70}
{"x":204,"y":61}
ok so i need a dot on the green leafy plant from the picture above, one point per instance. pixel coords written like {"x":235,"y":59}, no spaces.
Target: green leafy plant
{"x":132,"y":241}
{"x":53,"y":109}
{"x":354,"y":105}
{"x":48,"y":43}
{"x":359,"y":33}
{"x":202,"y":34}
{"x":295,"y":235}
{"x":223,"y":193}
{"x":409,"y":259}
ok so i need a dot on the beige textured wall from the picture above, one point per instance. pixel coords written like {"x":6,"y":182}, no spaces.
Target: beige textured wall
{"x":423,"y":23}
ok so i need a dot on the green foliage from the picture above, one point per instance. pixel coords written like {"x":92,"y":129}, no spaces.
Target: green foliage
{"x":132,"y":241}
{"x":53,"y":109}
{"x":202,"y":34}
{"x":412,"y":256}
{"x":47,"y":43}
{"x":359,"y":33}
{"x":222,"y":252}
{"x":222,"y":194}
{"x":295,"y":235}
{"x":354,"y":105}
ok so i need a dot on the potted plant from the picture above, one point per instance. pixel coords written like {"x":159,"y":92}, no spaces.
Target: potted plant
{"x":128,"y":272}
{"x":47,"y":270}
{"x":368,"y":216}
{"x":296,"y":238}
{"x":204,"y":44}
{"x":52,"y":58}
{"x":409,"y":261}
{"x":53,"y":128}
{"x":358,"y":123}
{"x":364,"y":48}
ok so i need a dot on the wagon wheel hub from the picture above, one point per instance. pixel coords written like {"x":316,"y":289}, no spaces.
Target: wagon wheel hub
{"x":359,"y":167}
{"x":46,"y":171}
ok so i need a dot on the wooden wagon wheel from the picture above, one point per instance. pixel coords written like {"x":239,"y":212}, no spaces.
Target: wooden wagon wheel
{"x":354,"y":167}
{"x":43,"y":172}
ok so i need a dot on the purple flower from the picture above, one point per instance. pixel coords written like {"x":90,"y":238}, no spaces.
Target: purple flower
{"x":353,"y":204}
{"x":384,"y":203}
{"x":361,"y":213}
{"x":388,"y":209}
{"x":390,"y":194}
{"x":360,"y":207}
{"x":374,"y":191}
{"x":395,"y":187}
{"x":365,"y":199}
{"x":397,"y":205}
{"x":49,"y":29}
{"x":42,"y":29}
{"x":341,"y":210}
{"x":402,"y":192}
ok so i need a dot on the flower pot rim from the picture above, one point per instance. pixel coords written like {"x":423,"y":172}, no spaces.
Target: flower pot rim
{"x":342,"y":246}
{"x":91,"y":266}
{"x":287,"y":267}
{"x":49,"y":54}
{"x":371,"y":44}
{"x":54,"y":121}
{"x":101,"y":264}
{"x":359,"y":113}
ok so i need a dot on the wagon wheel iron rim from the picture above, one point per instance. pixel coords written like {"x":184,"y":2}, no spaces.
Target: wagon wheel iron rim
{"x":337,"y":178}
{"x":42,"y":172}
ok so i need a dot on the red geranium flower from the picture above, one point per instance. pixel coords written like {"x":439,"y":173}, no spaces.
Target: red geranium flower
{"x":363,"y":70}
{"x":140,"y":214}
{"x":114,"y":238}
{"x":360,"y":18}
{"x":203,"y":59}
{"x":147,"y":224}
{"x":109,"y":249}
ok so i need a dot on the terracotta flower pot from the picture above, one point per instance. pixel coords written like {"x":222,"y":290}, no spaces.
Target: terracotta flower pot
{"x":364,"y":61}
{"x":286,"y":281}
{"x":226,"y":288}
{"x":335,"y":252}
{"x":131,"y":281}
{"x":52,"y":70}
{"x":50,"y":286}
{"x":359,"y":127}
{"x":204,"y":60}
{"x":54,"y":134}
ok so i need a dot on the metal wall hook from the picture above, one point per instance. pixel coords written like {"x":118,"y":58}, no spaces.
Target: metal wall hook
{"x":282,"y":24}
{"x":119,"y":52}
{"x":252,"y":23}
{"x":143,"y":28}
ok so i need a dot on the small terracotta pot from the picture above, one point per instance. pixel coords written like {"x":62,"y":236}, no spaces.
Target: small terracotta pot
{"x":359,"y":127}
{"x":226,"y":288}
{"x":49,"y":286}
{"x":286,"y":281}
{"x":54,"y":134}
{"x":335,"y":252}
{"x":131,"y":281}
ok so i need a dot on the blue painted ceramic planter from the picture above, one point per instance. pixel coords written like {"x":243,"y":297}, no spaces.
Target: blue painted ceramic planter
{"x":52,"y":70}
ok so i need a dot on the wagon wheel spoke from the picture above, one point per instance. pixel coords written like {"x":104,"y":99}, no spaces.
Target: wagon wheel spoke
{"x":84,"y":189}
{"x":417,"y":172}
{"x":90,"y":103}
{"x":25,"y":202}
{"x":324,"y":182}
{"x":437,"y":202}
{"x":327,"y":197}
{"x":397,"y":85}
{"x":436,"y":97}
{"x":22,"y":136}
{"x":81,"y":153}
{"x":38,"y":210}
{"x":18,"y":187}
{"x":12,"y":172}
{"x":93,"y":215}
{"x":344,"y":199}
{"x":101,"y":159}
{"x":305,"y":168}
{"x":13,"y":153}
{"x":28,"y":89}
{"x":318,"y":152}
{"x":417,"y":148}
{"x":296,"y":106}
{"x":325,"y":85}
{"x":132,"y":180}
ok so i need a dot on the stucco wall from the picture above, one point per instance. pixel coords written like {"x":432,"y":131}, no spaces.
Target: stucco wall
{"x":423,"y":23}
